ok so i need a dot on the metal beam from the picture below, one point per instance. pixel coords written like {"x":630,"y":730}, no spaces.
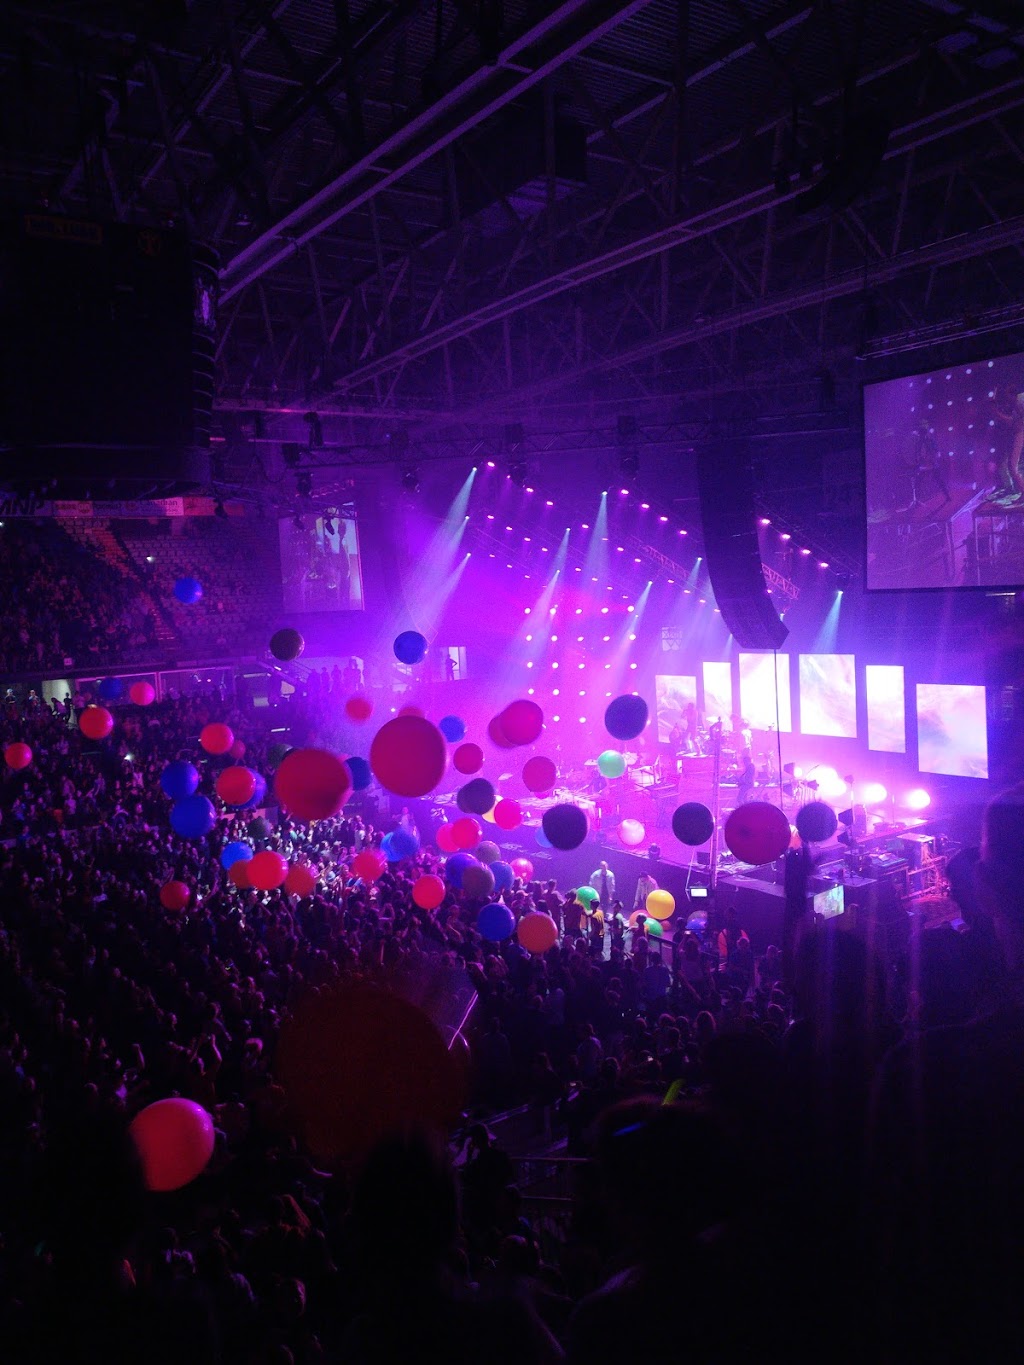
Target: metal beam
{"x":540,"y":49}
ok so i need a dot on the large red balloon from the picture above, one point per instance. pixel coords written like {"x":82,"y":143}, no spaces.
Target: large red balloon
{"x":216,"y":738}
{"x":523,"y":868}
{"x":497,"y":735}
{"x":537,"y":932}
{"x":235,"y":786}
{"x":408,"y":756}
{"x":96,"y":722}
{"x":17,"y":756}
{"x":359,"y":709}
{"x":757,"y":832}
{"x":468,"y":758}
{"x":238,"y":874}
{"x":466,"y":833}
{"x":508,"y":814}
{"x":174,"y":895}
{"x":369,"y":865}
{"x":357,"y":1063}
{"x":521,"y":722}
{"x":142,"y":693}
{"x":267,"y":870}
{"x":428,"y":891}
{"x":539,"y":774}
{"x":312,"y":784}
{"x":175,"y":1141}
{"x":444,"y":839}
{"x":300,"y":881}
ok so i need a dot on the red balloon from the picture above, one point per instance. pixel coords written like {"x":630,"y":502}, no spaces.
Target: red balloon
{"x":757,"y":832}
{"x":216,"y":738}
{"x":497,"y":735}
{"x":96,"y":722}
{"x":175,"y":895}
{"x":523,"y":868}
{"x":521,"y":722}
{"x":175,"y":1141}
{"x":359,"y":709}
{"x":300,"y":881}
{"x":408,"y":756}
{"x":466,"y":833}
{"x":267,"y":870}
{"x":237,"y":750}
{"x":428,"y":891}
{"x":537,"y":932}
{"x":312,"y":784}
{"x":409,"y":711}
{"x":142,"y":693}
{"x":539,"y":774}
{"x":369,"y":865}
{"x":238,"y":874}
{"x":235,"y":786}
{"x":468,"y":758}
{"x":17,"y":756}
{"x":508,"y":814}
{"x":444,"y":839}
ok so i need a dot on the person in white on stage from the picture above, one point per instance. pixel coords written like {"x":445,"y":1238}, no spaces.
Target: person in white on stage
{"x":644,"y":886}
{"x":603,"y":882}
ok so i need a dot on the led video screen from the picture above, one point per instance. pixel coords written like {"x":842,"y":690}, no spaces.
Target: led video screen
{"x":673,"y":694}
{"x":320,"y":568}
{"x":828,"y":695}
{"x":717,"y":693}
{"x":757,"y":691}
{"x":952,"y":734}
{"x":883,"y":692}
{"x":944,"y":466}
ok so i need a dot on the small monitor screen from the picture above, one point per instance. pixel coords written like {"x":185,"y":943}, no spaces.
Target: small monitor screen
{"x":828,"y":904}
{"x":944,"y":466}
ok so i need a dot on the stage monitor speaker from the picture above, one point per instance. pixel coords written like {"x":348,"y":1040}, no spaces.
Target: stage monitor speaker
{"x":731,"y":550}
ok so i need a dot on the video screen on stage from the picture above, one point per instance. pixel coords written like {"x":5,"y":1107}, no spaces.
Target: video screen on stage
{"x":883,"y":692}
{"x":673,"y":695}
{"x":952,"y":730}
{"x":718,"y":693}
{"x":944,"y":467}
{"x":828,"y":695}
{"x":320,"y":569}
{"x":758,"y":693}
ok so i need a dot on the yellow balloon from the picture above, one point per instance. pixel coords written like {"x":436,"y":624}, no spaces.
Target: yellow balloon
{"x":660,"y":904}
{"x":489,"y":815}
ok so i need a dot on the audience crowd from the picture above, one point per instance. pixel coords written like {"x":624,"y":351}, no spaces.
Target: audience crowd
{"x":778,"y":1154}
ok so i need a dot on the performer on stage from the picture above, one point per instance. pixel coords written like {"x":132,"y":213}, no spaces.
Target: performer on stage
{"x":644,"y":886}
{"x":926,"y":461}
{"x":747,"y":778}
{"x":603,"y":882}
{"x":1008,"y":411}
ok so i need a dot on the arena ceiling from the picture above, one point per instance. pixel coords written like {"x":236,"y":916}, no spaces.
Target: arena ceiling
{"x":545,"y":227}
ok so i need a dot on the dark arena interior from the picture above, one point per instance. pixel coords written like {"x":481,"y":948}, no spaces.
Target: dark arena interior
{"x":511,"y":681}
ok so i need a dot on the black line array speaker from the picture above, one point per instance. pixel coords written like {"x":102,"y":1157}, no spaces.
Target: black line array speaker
{"x":731,"y":551}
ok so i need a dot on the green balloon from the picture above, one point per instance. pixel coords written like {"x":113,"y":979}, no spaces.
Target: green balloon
{"x":611,"y":763}
{"x":586,"y":895}
{"x":655,"y":928}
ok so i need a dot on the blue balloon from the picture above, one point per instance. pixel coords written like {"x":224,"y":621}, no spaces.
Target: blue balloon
{"x":455,"y":866}
{"x":389,"y":851}
{"x":192,"y":817}
{"x":404,"y":842}
{"x":259,"y":795}
{"x":188,"y":590}
{"x":361,"y":775}
{"x":111,"y":689}
{"x":452,"y":728}
{"x":495,"y":922}
{"x":179,"y":779}
{"x":410,"y":647}
{"x":235,"y":853}
{"x":542,"y":839}
{"x":503,"y":876}
{"x":625,"y":717}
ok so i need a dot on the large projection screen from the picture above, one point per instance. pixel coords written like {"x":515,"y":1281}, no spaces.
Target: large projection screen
{"x":673,"y":693}
{"x":944,"y":471}
{"x":952,"y":733}
{"x":717,"y":693}
{"x":320,"y":568}
{"x":883,"y":693}
{"x":757,"y":691}
{"x":828,"y":695}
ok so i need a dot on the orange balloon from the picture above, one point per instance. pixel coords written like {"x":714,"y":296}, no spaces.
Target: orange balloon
{"x":537,"y":932}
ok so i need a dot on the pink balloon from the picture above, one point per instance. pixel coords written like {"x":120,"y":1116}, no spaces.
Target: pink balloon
{"x":369,"y":865}
{"x":468,"y":758}
{"x":267,"y":870}
{"x":632,"y":832}
{"x":175,"y":895}
{"x":466,"y":833}
{"x":521,"y":722}
{"x":142,"y":693}
{"x":523,"y":868}
{"x":444,"y":839}
{"x":539,"y":774}
{"x":312,"y":784}
{"x":96,"y":722}
{"x":175,"y":1140}
{"x":408,"y":756}
{"x":216,"y":738}
{"x":508,"y":814}
{"x":17,"y":756}
{"x":428,"y":891}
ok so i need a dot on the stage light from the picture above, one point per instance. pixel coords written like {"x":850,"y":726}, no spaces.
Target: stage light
{"x":583,"y":691}
{"x":766,"y":521}
{"x":632,"y":637}
{"x":684,"y":532}
{"x":579,"y":611}
{"x":632,"y":665}
{"x":529,"y":663}
{"x":606,"y":638}
{"x":585,"y":526}
{"x":631,"y":607}
{"x":555,"y":664}
{"x":508,"y":528}
{"x":491,"y":464}
{"x":918,"y":799}
{"x":529,"y":638}
{"x":490,"y":516}
{"x":530,"y":691}
{"x":636,"y":561}
{"x":556,"y":718}
{"x":873,"y":794}
{"x":549,"y":503}
{"x":604,"y":611}
{"x":784,"y":535}
{"x":623,"y":492}
{"x":529,"y":490}
{"x":830,"y":785}
{"x":822,"y":563}
{"x":579,"y":639}
{"x":582,"y":665}
{"x":663,"y":519}
{"x":805,"y":552}
{"x":555,"y":692}
{"x":645,"y":506}
{"x":583,"y":720}
{"x":619,"y":549}
{"x":526,"y":610}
